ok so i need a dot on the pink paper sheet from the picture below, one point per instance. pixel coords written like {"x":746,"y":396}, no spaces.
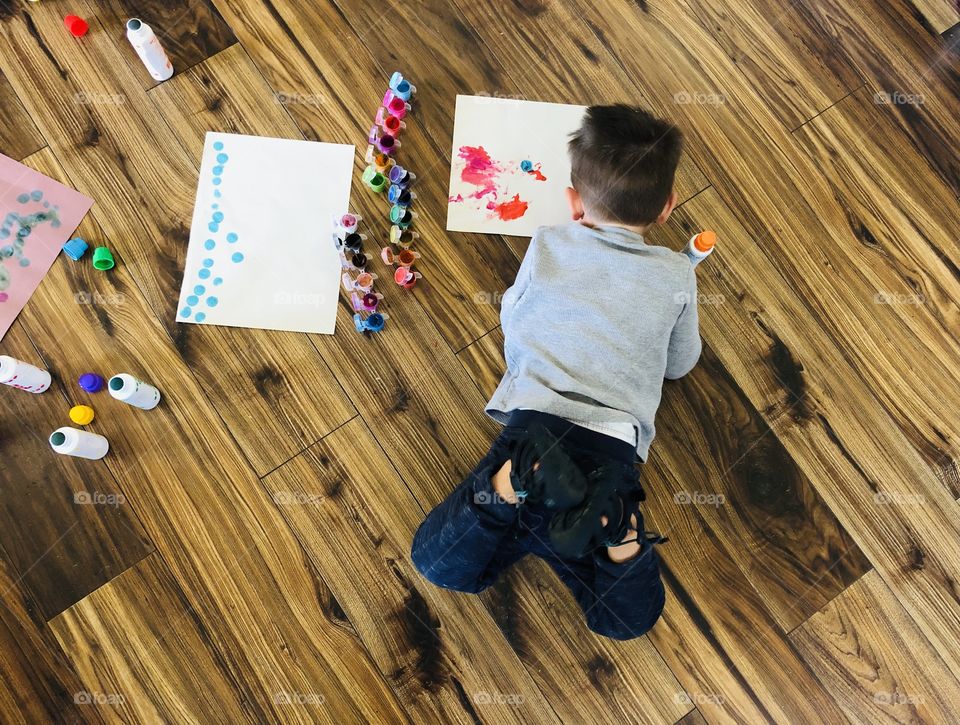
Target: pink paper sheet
{"x":37,"y":215}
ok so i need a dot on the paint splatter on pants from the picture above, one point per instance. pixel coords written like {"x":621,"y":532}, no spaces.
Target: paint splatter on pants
{"x":472,"y":536}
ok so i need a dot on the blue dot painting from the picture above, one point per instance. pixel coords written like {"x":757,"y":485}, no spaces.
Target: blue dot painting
{"x":261,"y":206}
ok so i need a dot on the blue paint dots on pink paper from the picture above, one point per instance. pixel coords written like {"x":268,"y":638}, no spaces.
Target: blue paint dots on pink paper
{"x":236,"y":257}
{"x":24,"y":262}
{"x":23,"y":198}
{"x":36,"y":195}
{"x":232,"y":237}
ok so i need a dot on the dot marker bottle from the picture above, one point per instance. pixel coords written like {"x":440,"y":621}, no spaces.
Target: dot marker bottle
{"x":700,"y":246}
{"x":79,"y":443}
{"x":18,"y":374}
{"x":128,"y":389}
{"x":148,"y":47}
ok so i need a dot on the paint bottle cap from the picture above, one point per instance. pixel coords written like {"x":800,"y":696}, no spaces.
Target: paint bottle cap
{"x":359,"y":260}
{"x":404,"y":89}
{"x":353,"y":242}
{"x":81,"y":414}
{"x":102,"y":259}
{"x":398,"y":213}
{"x":398,"y":107}
{"x":403,"y":275}
{"x":705,"y":241}
{"x":393,"y":125}
{"x":395,"y":78}
{"x":91,"y":382}
{"x":371,"y":300}
{"x":76,"y":26}
{"x":75,"y":248}
{"x":365,"y":281}
{"x":388,"y":143}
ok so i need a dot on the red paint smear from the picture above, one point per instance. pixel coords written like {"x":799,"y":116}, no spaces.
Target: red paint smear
{"x":479,"y":169}
{"x":513,"y":209}
{"x":537,"y":175}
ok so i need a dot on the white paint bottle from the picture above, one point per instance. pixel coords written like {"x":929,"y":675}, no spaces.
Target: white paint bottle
{"x":79,"y":443}
{"x":145,"y":42}
{"x":126,"y":388}
{"x":18,"y":374}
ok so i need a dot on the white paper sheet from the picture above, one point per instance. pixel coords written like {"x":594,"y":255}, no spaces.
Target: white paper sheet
{"x":260,"y":251}
{"x":489,"y":190}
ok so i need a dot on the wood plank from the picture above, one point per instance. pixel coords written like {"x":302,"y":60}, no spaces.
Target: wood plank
{"x":787,"y":57}
{"x":910,"y":70}
{"x":692,"y":718}
{"x":730,"y":673}
{"x":309,"y":51}
{"x":405,"y":379}
{"x":68,"y":526}
{"x":19,"y":136}
{"x":884,"y":495}
{"x":875,"y":661}
{"x":938,"y":15}
{"x":143,"y":178}
{"x":908,"y":229}
{"x":614,"y":681}
{"x":39,"y":685}
{"x":138,"y":641}
{"x":439,"y":650}
{"x":262,"y":603}
{"x":190,"y":31}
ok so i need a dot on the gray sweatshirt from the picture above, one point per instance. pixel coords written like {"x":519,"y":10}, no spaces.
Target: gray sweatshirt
{"x":594,"y":322}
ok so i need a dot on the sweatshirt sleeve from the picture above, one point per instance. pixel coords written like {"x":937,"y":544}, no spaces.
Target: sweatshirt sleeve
{"x":513,"y":293}
{"x":685,"y":346}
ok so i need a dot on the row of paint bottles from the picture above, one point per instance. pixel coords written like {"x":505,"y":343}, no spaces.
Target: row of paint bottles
{"x":122,"y":386}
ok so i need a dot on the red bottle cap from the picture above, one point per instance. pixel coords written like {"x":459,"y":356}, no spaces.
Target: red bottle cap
{"x":76,"y":26}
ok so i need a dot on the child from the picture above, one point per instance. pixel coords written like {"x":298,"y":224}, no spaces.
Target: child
{"x":593,"y":324}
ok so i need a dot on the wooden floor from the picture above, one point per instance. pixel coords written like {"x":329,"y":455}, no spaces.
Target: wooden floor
{"x":253,"y":565}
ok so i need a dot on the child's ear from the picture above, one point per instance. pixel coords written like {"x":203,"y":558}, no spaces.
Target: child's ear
{"x":667,"y":208}
{"x":576,"y":204}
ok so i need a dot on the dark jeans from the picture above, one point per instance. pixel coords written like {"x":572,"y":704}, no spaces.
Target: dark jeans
{"x":472,"y":536}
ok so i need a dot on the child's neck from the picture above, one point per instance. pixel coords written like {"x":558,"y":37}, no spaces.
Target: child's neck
{"x":641,"y":230}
